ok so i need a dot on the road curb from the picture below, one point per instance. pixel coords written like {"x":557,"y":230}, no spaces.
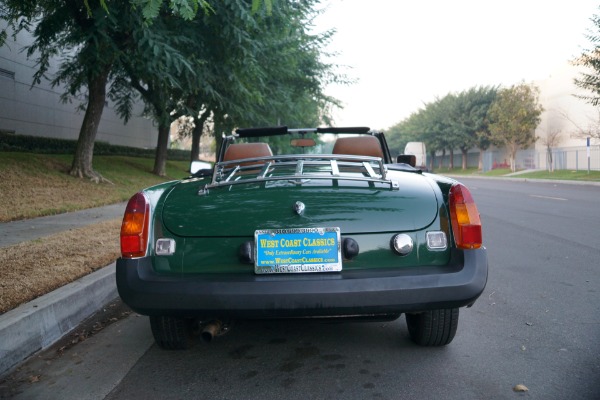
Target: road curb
{"x":38,"y":324}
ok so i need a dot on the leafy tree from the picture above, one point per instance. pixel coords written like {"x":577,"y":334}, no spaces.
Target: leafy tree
{"x":233,"y":76}
{"x":264,"y":69}
{"x":82,"y":39}
{"x":403,"y":132}
{"x":187,"y":9}
{"x":128,"y":45}
{"x":93,"y":40}
{"x":427,"y":125}
{"x":417,"y":127}
{"x":294,"y":75}
{"x":514,"y":116}
{"x":441,"y":127}
{"x":159,"y":69}
{"x":471,"y":120}
{"x":162,"y":71}
{"x":591,"y":59}
{"x":454,"y":121}
{"x":552,"y":139}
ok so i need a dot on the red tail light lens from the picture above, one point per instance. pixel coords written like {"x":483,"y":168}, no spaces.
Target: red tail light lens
{"x":466,"y":224}
{"x":134,"y":230}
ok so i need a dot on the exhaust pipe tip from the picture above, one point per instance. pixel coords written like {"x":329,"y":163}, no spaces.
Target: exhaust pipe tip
{"x":212,"y":329}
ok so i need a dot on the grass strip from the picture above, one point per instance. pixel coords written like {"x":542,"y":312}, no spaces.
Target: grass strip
{"x":31,"y":269}
{"x":34,"y":185}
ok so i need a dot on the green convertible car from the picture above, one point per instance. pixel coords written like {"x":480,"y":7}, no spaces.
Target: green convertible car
{"x":296,"y":223}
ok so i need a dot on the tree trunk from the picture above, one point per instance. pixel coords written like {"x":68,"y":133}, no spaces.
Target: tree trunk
{"x":82,"y":161}
{"x":480,"y":166}
{"x":513,"y":163}
{"x":464,"y":158}
{"x":442,"y":158}
{"x":160,"y":159}
{"x":549,"y":160}
{"x":451,"y":166}
{"x":196,"y":135}
{"x":431,"y":160}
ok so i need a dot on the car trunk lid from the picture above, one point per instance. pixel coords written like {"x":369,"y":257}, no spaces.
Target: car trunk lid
{"x":354,"y":207}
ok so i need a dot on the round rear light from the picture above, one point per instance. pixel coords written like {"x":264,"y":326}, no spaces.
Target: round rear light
{"x":402,"y":244}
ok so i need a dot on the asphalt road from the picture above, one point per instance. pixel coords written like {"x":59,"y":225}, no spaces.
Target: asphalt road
{"x":537,"y":324}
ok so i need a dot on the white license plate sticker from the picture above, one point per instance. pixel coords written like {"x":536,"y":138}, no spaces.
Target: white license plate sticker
{"x":298,"y":250}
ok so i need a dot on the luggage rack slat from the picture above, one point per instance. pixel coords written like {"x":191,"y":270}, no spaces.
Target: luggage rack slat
{"x":369,"y":169}
{"x":335,"y":171}
{"x":299,"y":167}
{"x":264,"y":170}
{"x":232,"y":174}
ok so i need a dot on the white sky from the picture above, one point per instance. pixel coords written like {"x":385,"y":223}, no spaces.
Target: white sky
{"x":405,"y":53}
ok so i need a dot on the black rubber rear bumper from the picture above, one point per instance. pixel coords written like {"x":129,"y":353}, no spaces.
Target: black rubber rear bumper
{"x":458,"y":284}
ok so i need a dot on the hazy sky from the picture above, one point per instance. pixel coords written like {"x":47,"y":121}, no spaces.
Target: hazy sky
{"x":405,"y":53}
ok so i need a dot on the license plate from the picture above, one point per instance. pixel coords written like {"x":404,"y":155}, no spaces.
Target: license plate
{"x":299,"y":250}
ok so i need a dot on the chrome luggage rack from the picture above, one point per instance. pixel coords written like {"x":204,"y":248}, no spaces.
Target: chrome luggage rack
{"x":299,"y":168}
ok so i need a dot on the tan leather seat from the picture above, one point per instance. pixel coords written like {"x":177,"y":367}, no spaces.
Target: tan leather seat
{"x":358,"y":146}
{"x":240,"y":151}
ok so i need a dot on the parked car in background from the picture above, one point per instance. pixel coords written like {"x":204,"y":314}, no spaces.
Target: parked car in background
{"x":199,"y":165}
{"x":418,"y":150}
{"x":302,"y":223}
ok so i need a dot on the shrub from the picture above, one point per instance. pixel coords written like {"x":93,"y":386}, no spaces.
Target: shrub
{"x":45,"y":145}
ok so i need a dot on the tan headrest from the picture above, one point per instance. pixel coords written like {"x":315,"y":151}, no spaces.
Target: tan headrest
{"x":240,"y":151}
{"x":358,"y":146}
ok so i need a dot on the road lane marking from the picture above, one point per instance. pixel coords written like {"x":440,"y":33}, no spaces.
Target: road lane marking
{"x":547,"y":197}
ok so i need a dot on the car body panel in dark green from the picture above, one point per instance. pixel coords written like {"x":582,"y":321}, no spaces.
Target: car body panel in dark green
{"x":354,"y":207}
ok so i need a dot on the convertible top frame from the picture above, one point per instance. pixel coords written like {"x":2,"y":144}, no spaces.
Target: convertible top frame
{"x":284,"y":130}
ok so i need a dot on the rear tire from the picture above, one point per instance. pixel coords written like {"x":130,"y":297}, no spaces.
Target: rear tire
{"x":172,"y":333}
{"x":433,"y":328}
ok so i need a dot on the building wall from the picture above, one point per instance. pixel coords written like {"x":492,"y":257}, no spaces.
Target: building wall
{"x":38,"y":111}
{"x":563,"y":110}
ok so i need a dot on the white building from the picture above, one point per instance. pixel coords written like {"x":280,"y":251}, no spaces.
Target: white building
{"x":38,"y":110}
{"x":568,"y":117}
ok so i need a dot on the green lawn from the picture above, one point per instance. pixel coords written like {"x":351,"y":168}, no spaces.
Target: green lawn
{"x":558,"y":174}
{"x":564,"y":175}
{"x":33,"y":185}
{"x":471,"y":171}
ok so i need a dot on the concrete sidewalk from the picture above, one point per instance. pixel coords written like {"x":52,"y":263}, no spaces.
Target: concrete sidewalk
{"x":30,"y":229}
{"x":38,"y":324}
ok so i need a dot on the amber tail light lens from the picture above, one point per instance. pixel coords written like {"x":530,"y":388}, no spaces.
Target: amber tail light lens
{"x":466,"y":224}
{"x":134,"y":230}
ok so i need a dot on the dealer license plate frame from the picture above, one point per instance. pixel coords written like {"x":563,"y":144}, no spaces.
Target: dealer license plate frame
{"x":297,"y":250}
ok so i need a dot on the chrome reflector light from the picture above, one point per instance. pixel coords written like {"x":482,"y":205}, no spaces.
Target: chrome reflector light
{"x":402,"y":244}
{"x":165,"y":247}
{"x":436,"y":240}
